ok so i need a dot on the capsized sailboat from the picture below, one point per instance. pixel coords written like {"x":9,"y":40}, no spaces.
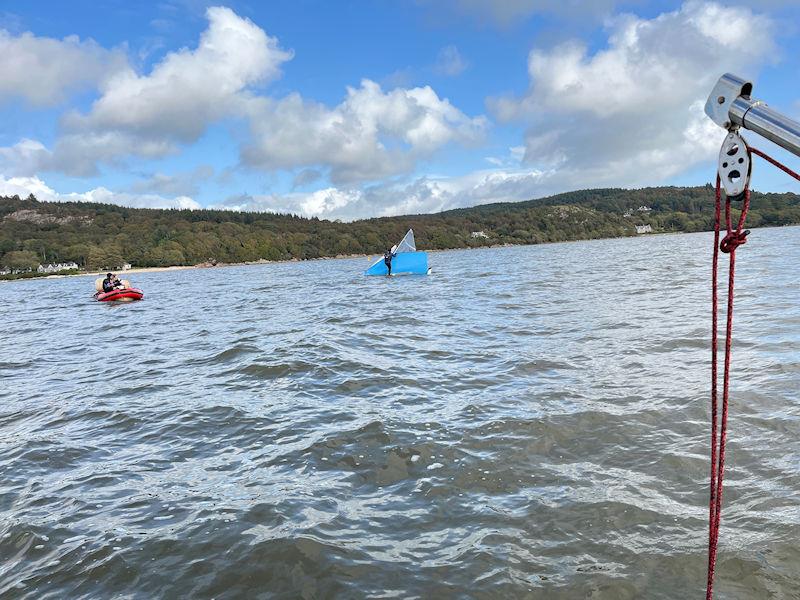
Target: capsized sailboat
{"x":406,"y":260}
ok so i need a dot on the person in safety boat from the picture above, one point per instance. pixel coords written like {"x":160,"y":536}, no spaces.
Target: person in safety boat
{"x":387,"y":260}
{"x":110,"y":283}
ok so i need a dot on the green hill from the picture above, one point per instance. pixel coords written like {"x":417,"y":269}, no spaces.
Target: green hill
{"x":98,"y":236}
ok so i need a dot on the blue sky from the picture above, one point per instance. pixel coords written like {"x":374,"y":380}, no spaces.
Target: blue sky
{"x":354,"y":109}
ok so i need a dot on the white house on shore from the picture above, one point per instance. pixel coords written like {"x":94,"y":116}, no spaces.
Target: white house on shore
{"x":644,"y":229}
{"x":479,"y":234}
{"x":55,"y":268}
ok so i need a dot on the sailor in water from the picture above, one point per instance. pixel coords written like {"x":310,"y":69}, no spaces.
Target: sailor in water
{"x":111,"y":283}
{"x":387,"y":260}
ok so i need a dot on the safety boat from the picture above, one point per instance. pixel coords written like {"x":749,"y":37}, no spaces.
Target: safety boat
{"x":406,"y":260}
{"x":124,"y":294}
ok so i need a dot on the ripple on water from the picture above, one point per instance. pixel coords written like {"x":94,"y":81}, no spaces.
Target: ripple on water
{"x":476,"y":433}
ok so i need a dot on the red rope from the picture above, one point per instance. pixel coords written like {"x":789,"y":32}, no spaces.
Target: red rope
{"x":783,"y":168}
{"x":732,"y":240}
{"x":712,"y":502}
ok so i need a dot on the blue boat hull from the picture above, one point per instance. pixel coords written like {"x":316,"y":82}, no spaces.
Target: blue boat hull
{"x":403,"y":263}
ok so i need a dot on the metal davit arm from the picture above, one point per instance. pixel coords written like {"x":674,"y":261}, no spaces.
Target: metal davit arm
{"x":731,"y":107}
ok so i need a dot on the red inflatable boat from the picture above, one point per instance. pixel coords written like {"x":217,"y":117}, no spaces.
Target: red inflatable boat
{"x":120,"y":295}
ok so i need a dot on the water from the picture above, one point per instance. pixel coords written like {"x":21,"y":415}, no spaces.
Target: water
{"x":526,"y":422}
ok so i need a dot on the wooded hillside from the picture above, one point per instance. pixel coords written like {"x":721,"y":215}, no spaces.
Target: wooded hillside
{"x":99,"y":236}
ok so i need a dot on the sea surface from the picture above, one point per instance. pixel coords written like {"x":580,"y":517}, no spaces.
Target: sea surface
{"x":527,"y":422}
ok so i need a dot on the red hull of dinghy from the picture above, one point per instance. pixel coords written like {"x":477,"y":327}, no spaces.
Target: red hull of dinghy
{"x":123,"y":295}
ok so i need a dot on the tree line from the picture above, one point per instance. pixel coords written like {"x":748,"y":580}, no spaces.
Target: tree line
{"x":104,"y":236}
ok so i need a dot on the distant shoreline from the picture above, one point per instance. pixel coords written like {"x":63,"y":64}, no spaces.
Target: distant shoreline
{"x":263,"y":261}
{"x":235,"y":238}
{"x":123,"y":274}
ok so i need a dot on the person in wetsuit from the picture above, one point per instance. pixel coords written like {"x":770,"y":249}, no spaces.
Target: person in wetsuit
{"x":387,"y":260}
{"x":110,"y":283}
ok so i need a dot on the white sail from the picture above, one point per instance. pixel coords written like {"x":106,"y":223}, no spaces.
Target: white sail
{"x":406,"y":259}
{"x":407,"y":244}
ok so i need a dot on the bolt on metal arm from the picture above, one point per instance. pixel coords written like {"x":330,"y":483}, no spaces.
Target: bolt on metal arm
{"x":731,"y":107}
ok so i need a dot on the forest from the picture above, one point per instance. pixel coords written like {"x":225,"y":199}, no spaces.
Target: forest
{"x":105,"y":236}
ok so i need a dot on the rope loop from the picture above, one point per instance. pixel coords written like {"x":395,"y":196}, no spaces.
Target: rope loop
{"x":733,"y":240}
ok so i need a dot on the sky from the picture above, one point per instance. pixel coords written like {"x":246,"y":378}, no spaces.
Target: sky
{"x":356,"y":109}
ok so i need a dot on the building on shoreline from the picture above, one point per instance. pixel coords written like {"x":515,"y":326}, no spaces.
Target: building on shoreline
{"x":55,"y":268}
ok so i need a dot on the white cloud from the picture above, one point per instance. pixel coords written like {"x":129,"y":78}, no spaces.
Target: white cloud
{"x":325,"y":202}
{"x":148,"y":115}
{"x":450,"y":62}
{"x":22,"y":186}
{"x":421,"y":195}
{"x":631,"y":113}
{"x":76,"y":154}
{"x":44,"y":71}
{"x":513,"y":159}
{"x":23,"y":158}
{"x":189,"y":88}
{"x":627,"y":114}
{"x":371,"y":134}
{"x":178,"y":184}
{"x":306,"y":177}
{"x":644,"y":70}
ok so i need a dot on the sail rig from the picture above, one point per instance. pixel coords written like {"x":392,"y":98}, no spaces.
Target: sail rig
{"x":406,"y":259}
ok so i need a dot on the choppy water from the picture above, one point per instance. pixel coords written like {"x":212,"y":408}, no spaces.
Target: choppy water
{"x":526,"y":422}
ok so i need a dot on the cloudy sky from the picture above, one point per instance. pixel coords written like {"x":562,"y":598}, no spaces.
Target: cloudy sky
{"x":360,"y":108}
